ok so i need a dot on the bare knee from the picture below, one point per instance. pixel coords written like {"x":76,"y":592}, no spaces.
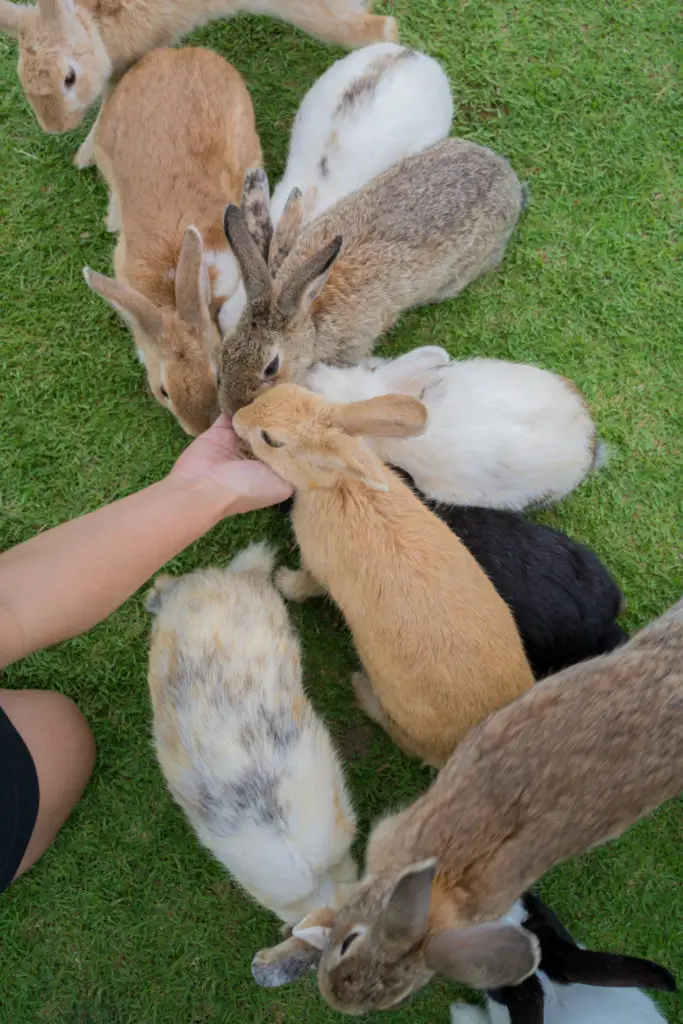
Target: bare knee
{"x":63,"y":751}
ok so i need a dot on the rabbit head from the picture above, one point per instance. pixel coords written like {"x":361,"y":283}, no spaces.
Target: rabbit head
{"x":315,"y":443}
{"x":63,"y":63}
{"x":378,"y":950}
{"x":177,"y":345}
{"x":275,"y":338}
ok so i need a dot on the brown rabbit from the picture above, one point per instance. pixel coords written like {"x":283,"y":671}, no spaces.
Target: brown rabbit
{"x":69,"y":50}
{"x":418,"y":233}
{"x":174,"y":143}
{"x":565,"y":768}
{"x":439,"y":646}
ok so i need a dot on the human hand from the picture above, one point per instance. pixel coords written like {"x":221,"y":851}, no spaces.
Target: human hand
{"x":247,"y":483}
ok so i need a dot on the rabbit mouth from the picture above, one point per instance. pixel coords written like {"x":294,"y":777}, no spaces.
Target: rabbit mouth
{"x":244,"y":449}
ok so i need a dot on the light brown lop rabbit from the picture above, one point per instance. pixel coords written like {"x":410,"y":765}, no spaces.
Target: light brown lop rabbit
{"x":418,"y":233}
{"x":69,"y":50}
{"x":568,"y":766}
{"x":439,"y":646}
{"x":174,"y":143}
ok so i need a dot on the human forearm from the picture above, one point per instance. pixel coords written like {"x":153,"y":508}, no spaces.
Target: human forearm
{"x":66,"y":580}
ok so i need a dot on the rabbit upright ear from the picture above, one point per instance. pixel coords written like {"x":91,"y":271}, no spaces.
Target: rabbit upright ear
{"x":287,"y":231}
{"x":12,"y":16}
{"x":255,"y":273}
{"x":191,"y":283}
{"x":133,"y":307}
{"x":489,"y":956}
{"x":256,"y":209}
{"x":307,"y":281}
{"x":384,"y":416}
{"x":406,"y":912}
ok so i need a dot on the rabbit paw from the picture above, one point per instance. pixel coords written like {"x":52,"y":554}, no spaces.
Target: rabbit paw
{"x":366,"y":698}
{"x":85,"y":156}
{"x":297,"y":584}
{"x":391,"y":30}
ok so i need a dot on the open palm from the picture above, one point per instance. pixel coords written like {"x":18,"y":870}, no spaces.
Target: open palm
{"x":215,"y":455}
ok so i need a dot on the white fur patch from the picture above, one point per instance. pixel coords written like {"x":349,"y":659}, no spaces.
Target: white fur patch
{"x":231,"y":311}
{"x":227,"y":272}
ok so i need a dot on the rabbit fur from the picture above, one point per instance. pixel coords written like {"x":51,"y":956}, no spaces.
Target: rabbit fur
{"x":566,"y":767}
{"x":418,"y":233}
{"x":368,"y":111}
{"x":501,"y":434}
{"x":572,"y":985}
{"x":188,"y":111}
{"x":241,"y":749}
{"x":439,"y":647}
{"x":69,"y":50}
{"x":563,"y":599}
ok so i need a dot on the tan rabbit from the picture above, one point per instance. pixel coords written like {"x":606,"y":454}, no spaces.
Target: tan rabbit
{"x":70,"y":49}
{"x":565,"y":768}
{"x":439,"y":646}
{"x":174,"y":143}
{"x":418,"y":233}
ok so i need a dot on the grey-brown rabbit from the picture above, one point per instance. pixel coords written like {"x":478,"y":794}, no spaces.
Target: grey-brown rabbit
{"x":418,"y":233}
{"x":567,"y":766}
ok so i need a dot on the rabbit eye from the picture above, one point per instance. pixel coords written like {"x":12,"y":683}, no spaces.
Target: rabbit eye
{"x":272,"y":367}
{"x":348,"y":942}
{"x":164,"y":392}
{"x":70,"y":79}
{"x":271,"y":440}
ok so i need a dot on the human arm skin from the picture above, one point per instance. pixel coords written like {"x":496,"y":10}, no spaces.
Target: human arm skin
{"x":64,"y":581}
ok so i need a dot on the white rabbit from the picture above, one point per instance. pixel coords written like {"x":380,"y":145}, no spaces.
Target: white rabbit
{"x":557,"y":1000}
{"x":368,"y":111}
{"x":242,"y":751}
{"x":500,"y":434}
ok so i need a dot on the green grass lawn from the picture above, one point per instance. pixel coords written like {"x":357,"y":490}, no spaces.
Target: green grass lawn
{"x":126,"y":919}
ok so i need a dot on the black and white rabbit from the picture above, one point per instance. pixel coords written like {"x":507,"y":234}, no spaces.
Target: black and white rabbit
{"x":572,"y":985}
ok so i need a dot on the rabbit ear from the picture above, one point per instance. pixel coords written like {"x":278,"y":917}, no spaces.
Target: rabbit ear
{"x":385,"y":416}
{"x":608,"y":970}
{"x":162,"y":585}
{"x":255,"y":273}
{"x":296,"y":956}
{"x":489,"y":956}
{"x":287,"y":231}
{"x":12,"y":16}
{"x":344,"y":457}
{"x":256,"y":209}
{"x":282,"y":964}
{"x":191,"y":283}
{"x":51,"y":10}
{"x":133,"y":307}
{"x":307,"y":281}
{"x":406,"y":912}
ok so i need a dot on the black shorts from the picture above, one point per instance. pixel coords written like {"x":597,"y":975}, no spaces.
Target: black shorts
{"x":19,"y":796}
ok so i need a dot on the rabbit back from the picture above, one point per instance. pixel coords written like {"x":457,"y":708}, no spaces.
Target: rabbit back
{"x":563,"y":598}
{"x":575,"y":1004}
{"x":501,"y":434}
{"x":368,"y":111}
{"x":183,"y":110}
{"x":241,"y":749}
